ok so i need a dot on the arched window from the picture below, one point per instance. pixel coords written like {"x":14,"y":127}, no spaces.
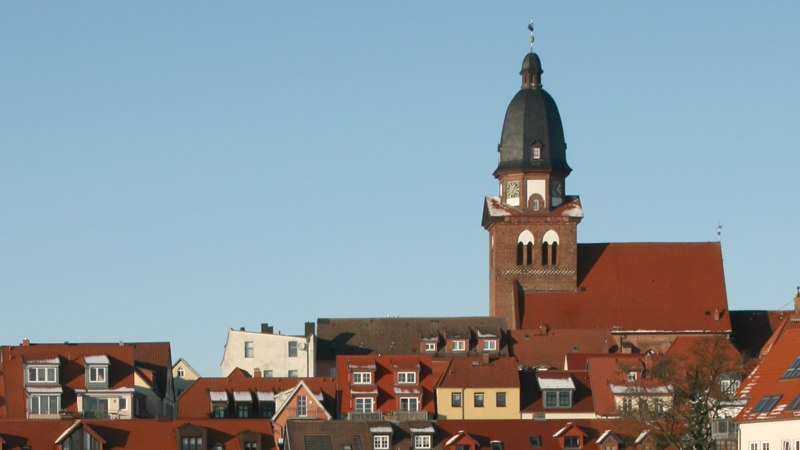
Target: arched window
{"x":525,"y":248}
{"x":550,"y":248}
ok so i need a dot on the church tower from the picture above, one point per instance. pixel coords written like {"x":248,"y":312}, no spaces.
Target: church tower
{"x":532,"y":224}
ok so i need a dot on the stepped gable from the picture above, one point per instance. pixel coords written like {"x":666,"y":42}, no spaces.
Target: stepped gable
{"x":395,"y":335}
{"x":638,"y":287}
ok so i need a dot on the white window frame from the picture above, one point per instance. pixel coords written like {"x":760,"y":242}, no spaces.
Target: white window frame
{"x":44,"y":374}
{"x":406,"y":378}
{"x":430,"y":346}
{"x":38,"y":399}
{"x":632,"y":375}
{"x":249,"y":349}
{"x":181,"y":372}
{"x":380,"y":442}
{"x":293,"y":373}
{"x":95,"y":372}
{"x":409,"y":401}
{"x":302,"y":405}
{"x":490,"y":345}
{"x":537,"y":152}
{"x":422,"y":441}
{"x":365,"y":401}
{"x":362,"y":377}
{"x":764,"y":445}
{"x":459,"y":345}
{"x":753,"y":445}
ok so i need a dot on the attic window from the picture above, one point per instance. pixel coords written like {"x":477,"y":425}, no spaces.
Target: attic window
{"x":572,"y":442}
{"x":767,"y":403}
{"x":632,"y":376}
{"x":489,"y":345}
{"x":497,"y":445}
{"x":459,"y":346}
{"x":362,"y":378}
{"x":181,"y":373}
{"x":422,"y":441}
{"x":192,"y":443}
{"x":97,"y":374}
{"x":793,"y":371}
{"x":430,"y":346}
{"x":380,"y":441}
{"x":536,"y":150}
{"x":535,"y":441}
{"x":795,"y":404}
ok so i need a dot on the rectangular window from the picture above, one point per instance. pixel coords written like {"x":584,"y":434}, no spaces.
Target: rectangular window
{"x":572,"y":442}
{"x":550,"y":399}
{"x":765,"y":445}
{"x":627,"y":404}
{"x":250,"y":445}
{"x":632,"y":376}
{"x":564,"y":399}
{"x":422,"y":441}
{"x":409,"y":404}
{"x":243,"y":410}
{"x":786,"y":445}
{"x":459,"y":346}
{"x":302,"y":406}
{"x":192,"y":443}
{"x":430,"y":346}
{"x":267,"y":373}
{"x":248,"y":349}
{"x":44,"y":404}
{"x":501,"y":399}
{"x":293,"y":349}
{"x":123,"y":404}
{"x":536,"y":152}
{"x":793,"y":371}
{"x":767,"y":403}
{"x":219,"y":411}
{"x":794,"y":404}
{"x":380,"y":441}
{"x":535,"y":440}
{"x":754,"y":446}
{"x":489,"y":345}
{"x":497,"y":445}
{"x":266,"y":409}
{"x":362,"y":377}
{"x":42,"y":375}
{"x":364,"y":404}
{"x":455,"y":400}
{"x":293,"y":374}
{"x":479,"y":399}
{"x":406,"y":377}
{"x":97,"y":374}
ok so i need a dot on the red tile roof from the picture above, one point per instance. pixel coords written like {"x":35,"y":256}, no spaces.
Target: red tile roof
{"x":768,"y":379}
{"x":195,"y":401}
{"x":533,"y":348}
{"x":474,"y":373}
{"x":602,"y":371}
{"x":133,"y":434}
{"x":646,"y":287}
{"x":385,"y":383}
{"x":685,"y":347}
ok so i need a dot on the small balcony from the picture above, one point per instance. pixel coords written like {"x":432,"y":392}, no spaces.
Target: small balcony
{"x":365,"y":416}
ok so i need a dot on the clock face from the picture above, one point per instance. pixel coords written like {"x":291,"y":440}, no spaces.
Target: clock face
{"x":512,"y":189}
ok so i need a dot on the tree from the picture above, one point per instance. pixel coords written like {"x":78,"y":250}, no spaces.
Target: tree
{"x":700,"y":382}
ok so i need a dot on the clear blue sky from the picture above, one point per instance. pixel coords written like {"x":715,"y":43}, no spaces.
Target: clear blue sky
{"x":172,"y":169}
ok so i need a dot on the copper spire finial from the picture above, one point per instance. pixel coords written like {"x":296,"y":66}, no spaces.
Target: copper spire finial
{"x":530,"y":28}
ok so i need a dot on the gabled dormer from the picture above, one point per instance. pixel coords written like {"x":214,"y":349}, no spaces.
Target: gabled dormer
{"x":462,"y":441}
{"x":646,"y":441}
{"x":557,"y":390}
{"x":570,"y":437}
{"x":80,"y":436}
{"x":609,"y":441}
{"x":458,"y":342}
{"x":429,"y":344}
{"x":250,"y":440}
{"x":41,"y":372}
{"x":422,"y":437}
{"x":381,"y":437}
{"x":488,"y":341}
{"x":96,"y":372}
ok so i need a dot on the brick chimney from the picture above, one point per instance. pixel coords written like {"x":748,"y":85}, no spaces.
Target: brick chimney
{"x":26,"y":342}
{"x":310,"y":329}
{"x":256,"y":373}
{"x":266,"y":329}
{"x":797,"y":301}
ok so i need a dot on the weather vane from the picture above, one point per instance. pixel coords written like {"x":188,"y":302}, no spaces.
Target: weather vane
{"x":530,"y":28}
{"x":719,"y":231}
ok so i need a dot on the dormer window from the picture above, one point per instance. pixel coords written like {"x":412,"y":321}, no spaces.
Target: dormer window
{"x":557,"y":390}
{"x":490,"y":345}
{"x":572,"y":442}
{"x":97,"y":374}
{"x":96,"y":371}
{"x":430,"y":346}
{"x":380,"y":442}
{"x":42,"y":375}
{"x":406,"y":378}
{"x":459,"y":345}
{"x":362,"y":377}
{"x":632,"y":376}
{"x":422,"y":441}
{"x":536,"y":150}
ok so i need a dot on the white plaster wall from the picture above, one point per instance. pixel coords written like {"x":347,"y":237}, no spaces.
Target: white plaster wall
{"x":537,"y":187}
{"x":270,"y":352}
{"x":772,"y":431}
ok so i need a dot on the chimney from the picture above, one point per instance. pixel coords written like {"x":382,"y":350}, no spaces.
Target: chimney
{"x":241,"y":328}
{"x":310,"y":329}
{"x":797,"y":301}
{"x":257,"y":372}
{"x":266,"y":329}
{"x":26,"y":342}
{"x":485,"y":359}
{"x":717,"y":314}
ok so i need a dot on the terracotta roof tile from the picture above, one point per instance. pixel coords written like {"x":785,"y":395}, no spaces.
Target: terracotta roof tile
{"x":534,"y":348}
{"x":473,"y":372}
{"x":531,"y":400}
{"x":647,"y":287}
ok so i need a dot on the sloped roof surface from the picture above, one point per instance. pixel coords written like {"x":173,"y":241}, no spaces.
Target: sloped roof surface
{"x":335,"y":434}
{"x":393,"y":335}
{"x":531,"y":399}
{"x":195,"y":402}
{"x":549,"y":349}
{"x":752,"y":329}
{"x":646,"y":287}
{"x":769,"y":379}
{"x":474,"y":373}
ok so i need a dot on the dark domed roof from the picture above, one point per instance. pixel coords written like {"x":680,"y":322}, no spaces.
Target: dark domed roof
{"x":532,"y":119}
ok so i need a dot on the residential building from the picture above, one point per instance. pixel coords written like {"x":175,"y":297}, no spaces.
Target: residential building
{"x":355,"y":435}
{"x":556,"y":395}
{"x":275,"y":355}
{"x":438,"y":337}
{"x":183,"y":375}
{"x":475,"y":388}
{"x":770,"y":418}
{"x":397,"y":387}
{"x":107,"y":381}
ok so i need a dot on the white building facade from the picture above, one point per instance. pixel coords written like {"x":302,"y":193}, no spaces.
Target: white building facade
{"x":274,"y":355}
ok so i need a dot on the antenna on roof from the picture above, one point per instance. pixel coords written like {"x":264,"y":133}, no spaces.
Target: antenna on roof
{"x":530,"y":28}
{"x":719,"y":232}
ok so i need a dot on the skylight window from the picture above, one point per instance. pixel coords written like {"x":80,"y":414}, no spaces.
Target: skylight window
{"x":795,"y":404}
{"x":793,"y":371}
{"x":767,"y":403}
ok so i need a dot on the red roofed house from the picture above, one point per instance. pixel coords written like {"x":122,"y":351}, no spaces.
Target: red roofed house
{"x":476,"y":388}
{"x":116,"y":381}
{"x":646,"y":294}
{"x":372,"y":387}
{"x":771,"y":417}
